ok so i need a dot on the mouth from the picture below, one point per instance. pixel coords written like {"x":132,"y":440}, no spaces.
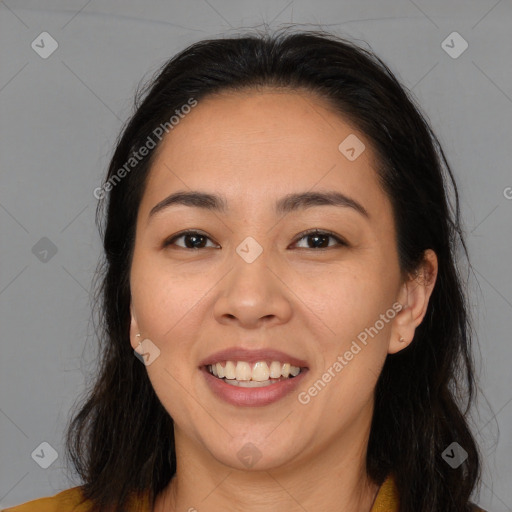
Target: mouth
{"x":257,"y":375}
{"x":244,"y":377}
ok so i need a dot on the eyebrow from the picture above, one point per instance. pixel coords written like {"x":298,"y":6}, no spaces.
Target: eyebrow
{"x":287,"y":204}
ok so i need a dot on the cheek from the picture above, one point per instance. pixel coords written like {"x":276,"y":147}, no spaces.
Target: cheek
{"x":361,"y":315}
{"x":164,"y":299}
{"x":353,"y":347}
{"x":167,"y":305}
{"x":351,"y":301}
{"x":354,"y":342}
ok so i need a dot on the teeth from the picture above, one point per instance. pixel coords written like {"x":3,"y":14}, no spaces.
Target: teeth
{"x":229,"y":370}
{"x":241,"y":373}
{"x":275,"y":369}
{"x":249,"y":383}
{"x":294,"y":370}
{"x":260,"y":372}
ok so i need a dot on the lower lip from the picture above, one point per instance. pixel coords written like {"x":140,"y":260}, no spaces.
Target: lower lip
{"x":252,"y":397}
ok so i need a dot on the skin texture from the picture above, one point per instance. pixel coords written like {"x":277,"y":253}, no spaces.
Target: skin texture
{"x":253,"y":148}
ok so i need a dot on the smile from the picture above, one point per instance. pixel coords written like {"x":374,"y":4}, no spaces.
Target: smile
{"x":259,"y":374}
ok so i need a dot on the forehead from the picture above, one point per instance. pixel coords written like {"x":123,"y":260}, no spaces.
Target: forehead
{"x":260,"y":144}
{"x":272,"y":117}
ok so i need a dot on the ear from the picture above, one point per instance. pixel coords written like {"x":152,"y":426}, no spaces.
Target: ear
{"x":414,"y":296}
{"x":134,"y":329}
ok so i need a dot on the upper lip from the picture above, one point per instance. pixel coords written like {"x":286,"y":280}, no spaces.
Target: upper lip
{"x":252,"y":356}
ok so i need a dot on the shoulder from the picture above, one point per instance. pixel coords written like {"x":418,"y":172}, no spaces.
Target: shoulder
{"x":388,"y":498}
{"x":476,"y":508}
{"x":70,"y":500}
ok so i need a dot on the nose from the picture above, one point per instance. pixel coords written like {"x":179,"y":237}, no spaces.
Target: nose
{"x":253,"y":295}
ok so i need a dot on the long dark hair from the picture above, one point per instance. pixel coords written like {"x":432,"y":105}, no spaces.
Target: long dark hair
{"x":120,"y":439}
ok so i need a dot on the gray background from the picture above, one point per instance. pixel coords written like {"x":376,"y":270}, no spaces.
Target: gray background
{"x":60,"y":117}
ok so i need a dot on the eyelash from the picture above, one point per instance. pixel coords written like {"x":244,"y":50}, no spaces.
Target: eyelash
{"x":300,"y":236}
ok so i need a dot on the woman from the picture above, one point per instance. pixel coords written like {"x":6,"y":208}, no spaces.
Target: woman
{"x":284,"y":322}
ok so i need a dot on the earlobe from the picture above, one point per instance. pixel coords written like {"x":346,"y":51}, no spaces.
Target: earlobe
{"x":402,"y":332}
{"x":134,"y":329}
{"x":396,"y":345}
{"x":415,"y":294}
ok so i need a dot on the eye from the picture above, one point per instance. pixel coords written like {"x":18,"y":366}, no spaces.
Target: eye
{"x":193,"y":240}
{"x":196,"y":240}
{"x":318,"y":237}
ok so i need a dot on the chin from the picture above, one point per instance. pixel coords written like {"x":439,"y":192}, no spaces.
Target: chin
{"x":255,"y":453}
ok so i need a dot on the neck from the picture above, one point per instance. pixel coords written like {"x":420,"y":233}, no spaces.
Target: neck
{"x":332,"y":479}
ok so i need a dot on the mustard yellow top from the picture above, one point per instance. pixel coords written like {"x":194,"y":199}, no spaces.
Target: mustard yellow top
{"x":67,"y":501}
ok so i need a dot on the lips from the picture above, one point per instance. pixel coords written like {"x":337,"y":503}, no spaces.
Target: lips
{"x":257,"y":389}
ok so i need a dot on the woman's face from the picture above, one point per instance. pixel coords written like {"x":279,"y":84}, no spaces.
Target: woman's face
{"x":252,"y":288}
